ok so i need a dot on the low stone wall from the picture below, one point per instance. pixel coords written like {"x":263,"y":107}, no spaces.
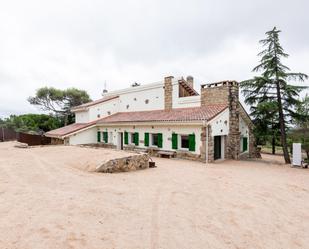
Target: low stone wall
{"x":124,"y":164}
{"x":189,"y":156}
{"x":56,"y":141}
{"x":100,"y":145}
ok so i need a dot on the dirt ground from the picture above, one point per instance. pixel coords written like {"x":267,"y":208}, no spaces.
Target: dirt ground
{"x":48,"y":201}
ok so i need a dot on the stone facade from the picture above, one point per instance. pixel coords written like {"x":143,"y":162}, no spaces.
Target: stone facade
{"x":214,"y":94}
{"x":210,"y":145}
{"x":168,"y":93}
{"x":210,"y":141}
{"x":226,"y":92}
{"x":56,"y":141}
{"x":233,"y":139}
{"x":124,"y":164}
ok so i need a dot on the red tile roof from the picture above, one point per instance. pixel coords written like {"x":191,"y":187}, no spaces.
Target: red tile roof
{"x":68,"y":129}
{"x":104,"y":99}
{"x":179,"y":114}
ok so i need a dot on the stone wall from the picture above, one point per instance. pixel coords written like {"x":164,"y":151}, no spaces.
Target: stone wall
{"x":56,"y":141}
{"x":168,"y":93}
{"x":101,"y":145}
{"x":226,"y":92}
{"x":124,"y":164}
{"x":210,"y":144}
{"x":214,"y":94}
{"x":233,"y":138}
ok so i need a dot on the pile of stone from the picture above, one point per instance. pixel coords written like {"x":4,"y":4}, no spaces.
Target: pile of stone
{"x":124,"y":164}
{"x":21,"y":145}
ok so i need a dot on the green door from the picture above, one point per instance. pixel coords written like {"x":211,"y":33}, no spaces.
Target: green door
{"x":217,"y":147}
{"x":244,"y":144}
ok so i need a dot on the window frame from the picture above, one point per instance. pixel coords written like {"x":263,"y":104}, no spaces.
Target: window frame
{"x":152,"y":140}
{"x":180,"y":142}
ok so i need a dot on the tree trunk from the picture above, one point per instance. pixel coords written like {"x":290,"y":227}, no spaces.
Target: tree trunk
{"x":273,"y":143}
{"x":307,"y":152}
{"x":282,"y":126}
{"x":66,"y":120}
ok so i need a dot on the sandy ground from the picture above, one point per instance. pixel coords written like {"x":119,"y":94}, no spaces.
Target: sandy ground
{"x":47,"y":201}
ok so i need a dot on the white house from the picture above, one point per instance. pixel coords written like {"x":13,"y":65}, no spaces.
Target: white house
{"x":166,"y":117}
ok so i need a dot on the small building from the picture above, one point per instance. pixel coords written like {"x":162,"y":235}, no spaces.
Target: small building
{"x":166,"y":117}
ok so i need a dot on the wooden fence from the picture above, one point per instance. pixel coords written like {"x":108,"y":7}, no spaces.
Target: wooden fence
{"x":33,"y":139}
{"x":30,"y":139}
{"x":7,"y":134}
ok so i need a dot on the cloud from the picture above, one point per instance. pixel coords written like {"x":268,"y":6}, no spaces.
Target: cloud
{"x":85,"y":43}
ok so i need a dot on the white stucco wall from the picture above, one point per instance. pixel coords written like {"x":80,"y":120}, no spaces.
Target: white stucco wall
{"x":244,"y":132}
{"x":145,"y":100}
{"x":103,"y":109}
{"x":220,"y":124}
{"x":243,"y":127}
{"x":84,"y":137}
{"x":165,"y":130}
{"x":82,"y":117}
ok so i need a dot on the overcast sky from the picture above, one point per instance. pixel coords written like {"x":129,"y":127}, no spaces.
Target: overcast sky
{"x":83,"y":43}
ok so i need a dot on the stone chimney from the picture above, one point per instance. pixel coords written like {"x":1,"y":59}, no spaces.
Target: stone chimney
{"x":226,"y":92}
{"x":168,"y":93}
{"x":190,"y":80}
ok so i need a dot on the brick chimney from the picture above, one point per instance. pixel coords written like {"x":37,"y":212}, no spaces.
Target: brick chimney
{"x":168,"y":93}
{"x":190,"y":80}
{"x":226,"y":92}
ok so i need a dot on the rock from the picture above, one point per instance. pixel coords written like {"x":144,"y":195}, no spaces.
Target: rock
{"x":21,"y":145}
{"x":124,"y":164}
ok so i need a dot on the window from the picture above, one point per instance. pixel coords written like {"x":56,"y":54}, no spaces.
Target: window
{"x":187,"y":142}
{"x":154,"y":139}
{"x":184,"y":141}
{"x":132,"y":140}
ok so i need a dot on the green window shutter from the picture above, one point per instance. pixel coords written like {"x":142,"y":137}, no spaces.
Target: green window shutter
{"x":160,"y":140}
{"x":174,"y":141}
{"x":126,"y":138}
{"x":105,"y":137}
{"x":99,"y":136}
{"x":136,"y":138}
{"x":244,"y":144}
{"x":146,"y":139}
{"x":192,"y":142}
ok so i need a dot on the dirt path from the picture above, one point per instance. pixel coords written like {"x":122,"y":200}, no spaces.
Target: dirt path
{"x":47,"y":201}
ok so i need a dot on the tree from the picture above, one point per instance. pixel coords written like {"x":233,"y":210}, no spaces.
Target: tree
{"x":272,"y":85}
{"x":59,"y":101}
{"x":302,"y":112}
{"x":37,"y":123}
{"x":301,"y":132}
{"x":266,"y":125}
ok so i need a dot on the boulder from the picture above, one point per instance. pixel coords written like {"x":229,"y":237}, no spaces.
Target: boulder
{"x":124,"y":164}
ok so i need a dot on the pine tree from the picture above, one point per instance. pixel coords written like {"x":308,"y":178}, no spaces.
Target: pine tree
{"x":273,"y":84}
{"x":266,"y":124}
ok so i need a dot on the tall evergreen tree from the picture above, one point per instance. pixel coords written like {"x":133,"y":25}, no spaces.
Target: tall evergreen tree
{"x":266,"y":124}
{"x":273,"y":84}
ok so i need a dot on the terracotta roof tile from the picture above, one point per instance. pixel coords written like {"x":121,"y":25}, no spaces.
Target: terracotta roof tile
{"x":68,"y":129}
{"x":179,"y":114}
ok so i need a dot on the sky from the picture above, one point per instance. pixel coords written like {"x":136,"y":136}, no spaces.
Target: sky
{"x":85,"y":43}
